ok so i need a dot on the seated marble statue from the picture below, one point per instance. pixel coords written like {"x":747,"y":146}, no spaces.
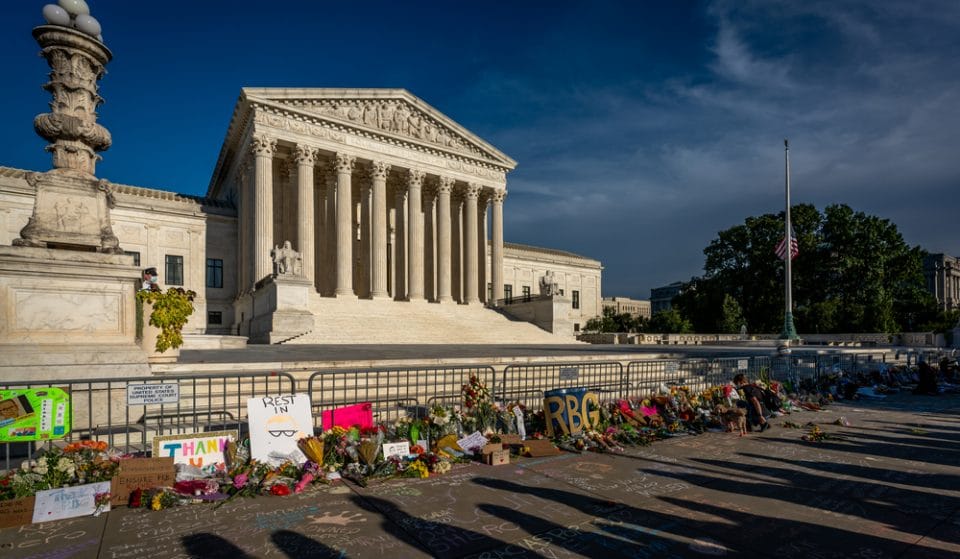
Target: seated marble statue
{"x":549,"y":285}
{"x":286,"y":261}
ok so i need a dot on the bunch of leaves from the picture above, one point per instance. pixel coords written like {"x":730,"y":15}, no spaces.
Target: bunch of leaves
{"x":171,"y":310}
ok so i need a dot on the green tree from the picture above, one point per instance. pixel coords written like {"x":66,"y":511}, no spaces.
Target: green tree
{"x":731,"y":316}
{"x":669,"y":322}
{"x":612,"y":321}
{"x":854,"y":273}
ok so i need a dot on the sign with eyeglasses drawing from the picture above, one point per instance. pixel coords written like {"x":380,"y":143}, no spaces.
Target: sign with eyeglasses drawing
{"x":276,"y":423}
{"x":203,"y":450}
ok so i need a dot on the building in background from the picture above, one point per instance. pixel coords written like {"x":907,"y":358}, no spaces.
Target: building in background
{"x":942,"y":273}
{"x":661,"y":298}
{"x":625,"y":305}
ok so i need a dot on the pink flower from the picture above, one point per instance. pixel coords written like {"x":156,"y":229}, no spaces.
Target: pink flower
{"x":240,"y":480}
{"x":304,"y":481}
{"x":647,"y":411}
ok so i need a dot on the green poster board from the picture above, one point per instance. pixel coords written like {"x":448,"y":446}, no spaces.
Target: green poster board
{"x":34,"y":414}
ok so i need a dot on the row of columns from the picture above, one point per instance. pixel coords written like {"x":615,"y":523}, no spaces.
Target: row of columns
{"x":333,"y":210}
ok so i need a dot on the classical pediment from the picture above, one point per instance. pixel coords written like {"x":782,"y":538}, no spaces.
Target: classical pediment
{"x":388,"y":112}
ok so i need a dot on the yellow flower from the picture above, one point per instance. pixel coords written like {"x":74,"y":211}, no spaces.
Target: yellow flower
{"x":156,"y":504}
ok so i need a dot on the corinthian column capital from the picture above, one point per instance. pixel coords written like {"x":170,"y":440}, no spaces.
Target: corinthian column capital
{"x":261,"y":144}
{"x":379,"y":170}
{"x":305,"y":155}
{"x":472,"y":191}
{"x":344,"y":163}
{"x":415,"y":177}
{"x":445,"y":185}
{"x":498,"y":196}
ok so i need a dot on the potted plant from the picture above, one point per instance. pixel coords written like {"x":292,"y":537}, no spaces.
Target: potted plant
{"x":168,"y":312}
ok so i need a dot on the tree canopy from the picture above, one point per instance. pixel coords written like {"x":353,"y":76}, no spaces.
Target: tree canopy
{"x":854,"y":273}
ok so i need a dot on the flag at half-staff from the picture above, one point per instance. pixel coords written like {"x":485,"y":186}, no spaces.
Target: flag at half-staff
{"x":781,"y":249}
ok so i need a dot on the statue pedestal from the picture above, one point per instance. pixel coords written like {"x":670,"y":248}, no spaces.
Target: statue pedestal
{"x":279,"y":309}
{"x":67,"y":314}
{"x":549,"y":312}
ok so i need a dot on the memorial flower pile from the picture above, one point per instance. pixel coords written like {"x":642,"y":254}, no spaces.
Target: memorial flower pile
{"x":76,"y":464}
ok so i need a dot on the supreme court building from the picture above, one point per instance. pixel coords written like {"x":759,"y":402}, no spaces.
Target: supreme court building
{"x":385,"y":201}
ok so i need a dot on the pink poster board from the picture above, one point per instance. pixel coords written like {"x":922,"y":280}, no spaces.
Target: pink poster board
{"x":347,"y":417}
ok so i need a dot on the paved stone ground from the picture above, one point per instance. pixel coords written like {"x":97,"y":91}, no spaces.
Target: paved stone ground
{"x":889,"y":488}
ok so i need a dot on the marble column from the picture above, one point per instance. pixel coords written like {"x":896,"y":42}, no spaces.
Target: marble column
{"x":430,"y":242}
{"x":305,"y":156}
{"x":263,"y":148}
{"x":482,"y":279}
{"x":243,"y":222}
{"x":470,"y":258}
{"x":364,"y":264}
{"x":414,"y":235}
{"x":344,"y":166}
{"x":496,"y":248}
{"x":444,"y":188}
{"x":320,"y":233}
{"x":400,"y":202}
{"x":330,"y":265}
{"x":378,"y":172}
{"x":456,"y":246}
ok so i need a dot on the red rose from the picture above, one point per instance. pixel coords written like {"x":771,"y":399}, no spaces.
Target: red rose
{"x":279,"y":489}
{"x":136,"y":496}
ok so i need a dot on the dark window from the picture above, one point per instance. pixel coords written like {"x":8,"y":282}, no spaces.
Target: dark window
{"x":489,"y":292}
{"x":576,"y":299}
{"x":526,"y":293}
{"x":174,"y":275}
{"x":214,"y":317}
{"x":135,"y":255}
{"x":214,"y":272}
{"x":508,"y":292}
{"x":576,"y":326}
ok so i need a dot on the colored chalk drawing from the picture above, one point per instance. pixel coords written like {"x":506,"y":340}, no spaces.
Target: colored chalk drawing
{"x":34,"y":414}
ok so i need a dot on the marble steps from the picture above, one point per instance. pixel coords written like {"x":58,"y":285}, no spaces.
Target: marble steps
{"x":340,"y":321}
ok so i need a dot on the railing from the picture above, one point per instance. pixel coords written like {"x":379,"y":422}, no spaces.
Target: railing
{"x":102,"y":409}
{"x":393,"y":392}
{"x":527,"y":382}
{"x":517,"y":299}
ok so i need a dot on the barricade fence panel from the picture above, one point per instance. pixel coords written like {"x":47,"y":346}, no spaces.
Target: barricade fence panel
{"x":526,"y":383}
{"x":129,"y":413}
{"x":393,"y":392}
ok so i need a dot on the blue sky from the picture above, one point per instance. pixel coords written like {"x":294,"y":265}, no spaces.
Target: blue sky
{"x":641,"y":129}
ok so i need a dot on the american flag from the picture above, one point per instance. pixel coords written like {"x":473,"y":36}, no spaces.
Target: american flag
{"x":782,"y":246}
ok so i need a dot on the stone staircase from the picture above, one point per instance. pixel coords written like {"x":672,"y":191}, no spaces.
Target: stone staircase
{"x":362,"y":321}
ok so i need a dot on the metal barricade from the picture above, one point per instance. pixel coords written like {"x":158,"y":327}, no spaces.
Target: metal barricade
{"x":393,"y":392}
{"x":526,"y":383}
{"x":122,"y":413}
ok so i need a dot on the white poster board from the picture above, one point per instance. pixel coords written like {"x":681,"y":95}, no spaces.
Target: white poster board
{"x":276,"y":424}
{"x":396,"y":449}
{"x":68,"y":502}
{"x":203,"y":450}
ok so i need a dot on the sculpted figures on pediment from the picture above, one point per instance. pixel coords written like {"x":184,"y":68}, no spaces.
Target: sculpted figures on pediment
{"x":392,"y":116}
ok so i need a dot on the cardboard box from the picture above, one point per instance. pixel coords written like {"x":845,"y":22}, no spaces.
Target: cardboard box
{"x":497,"y":457}
{"x":491,"y":447}
{"x":141,"y":473}
{"x":541,"y":447}
{"x":511,"y":439}
{"x":15,"y":512}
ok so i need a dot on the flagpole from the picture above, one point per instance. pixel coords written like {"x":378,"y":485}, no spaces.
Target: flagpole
{"x":789,"y":331}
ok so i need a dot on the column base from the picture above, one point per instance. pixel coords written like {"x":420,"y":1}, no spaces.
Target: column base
{"x":445,"y":300}
{"x":381,"y":297}
{"x":345,"y":295}
{"x":415,"y":300}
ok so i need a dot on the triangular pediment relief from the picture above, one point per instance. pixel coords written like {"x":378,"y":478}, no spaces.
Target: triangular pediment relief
{"x":389,"y":112}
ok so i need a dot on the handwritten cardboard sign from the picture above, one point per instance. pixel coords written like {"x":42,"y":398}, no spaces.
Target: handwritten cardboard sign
{"x":141,"y":473}
{"x":396,"y":449}
{"x":68,"y":502}
{"x":541,"y":447}
{"x":346,"y":417}
{"x":511,"y":438}
{"x":276,"y":424}
{"x":34,"y":414}
{"x":15,"y":512}
{"x":472,"y":442}
{"x":203,"y":450}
